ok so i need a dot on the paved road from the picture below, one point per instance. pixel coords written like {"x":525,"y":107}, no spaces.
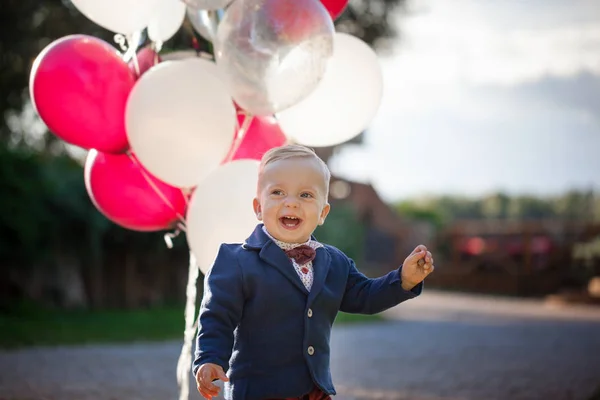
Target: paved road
{"x":437,"y":347}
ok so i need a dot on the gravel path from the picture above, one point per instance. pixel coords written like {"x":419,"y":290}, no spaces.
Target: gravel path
{"x":437,"y":347}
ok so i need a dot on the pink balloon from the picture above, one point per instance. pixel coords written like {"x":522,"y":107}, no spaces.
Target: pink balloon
{"x":146,"y":59}
{"x":79,"y":86}
{"x":125,"y":192}
{"x":262,"y":135}
{"x":335,"y":7}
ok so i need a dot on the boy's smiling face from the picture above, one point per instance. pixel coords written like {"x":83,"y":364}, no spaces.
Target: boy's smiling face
{"x":292,"y":198}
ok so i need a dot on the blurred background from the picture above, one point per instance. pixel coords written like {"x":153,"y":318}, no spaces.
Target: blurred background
{"x":485,"y":148}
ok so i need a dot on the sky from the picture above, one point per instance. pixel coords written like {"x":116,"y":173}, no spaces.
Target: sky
{"x":483,"y":96}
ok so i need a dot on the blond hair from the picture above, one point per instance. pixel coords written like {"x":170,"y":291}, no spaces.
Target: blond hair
{"x":294,"y":151}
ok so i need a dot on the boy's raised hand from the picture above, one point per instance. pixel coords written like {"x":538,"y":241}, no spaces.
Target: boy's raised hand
{"x":416,"y":267}
{"x":206,"y":374}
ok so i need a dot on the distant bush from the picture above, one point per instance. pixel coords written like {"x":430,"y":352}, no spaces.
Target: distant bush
{"x":344,"y":231}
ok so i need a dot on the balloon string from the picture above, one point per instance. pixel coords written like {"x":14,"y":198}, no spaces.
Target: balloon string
{"x":184,"y":363}
{"x":170,"y":236}
{"x":158,"y":192}
{"x":132,"y":49}
{"x":241,"y":132}
{"x":128,"y":45}
{"x":121,"y":41}
{"x":136,"y":65}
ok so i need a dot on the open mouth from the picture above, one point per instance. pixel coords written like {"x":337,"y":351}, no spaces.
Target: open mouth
{"x":290,"y":222}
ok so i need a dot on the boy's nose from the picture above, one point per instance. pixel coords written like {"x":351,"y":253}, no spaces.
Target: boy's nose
{"x":292,"y":203}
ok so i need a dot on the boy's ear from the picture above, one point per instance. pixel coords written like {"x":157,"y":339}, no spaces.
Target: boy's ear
{"x":257,"y":208}
{"x":324,"y":213}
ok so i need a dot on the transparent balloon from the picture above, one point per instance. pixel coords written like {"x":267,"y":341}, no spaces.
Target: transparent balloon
{"x":207,"y":4}
{"x":273,"y":53}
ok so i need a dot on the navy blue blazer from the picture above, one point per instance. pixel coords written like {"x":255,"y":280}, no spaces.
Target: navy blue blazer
{"x":269,"y":333}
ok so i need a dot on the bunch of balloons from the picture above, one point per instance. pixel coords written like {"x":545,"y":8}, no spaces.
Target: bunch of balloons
{"x":175,"y":142}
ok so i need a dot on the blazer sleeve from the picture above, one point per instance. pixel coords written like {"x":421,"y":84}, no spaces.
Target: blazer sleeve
{"x":220,"y":310}
{"x":365,"y":295}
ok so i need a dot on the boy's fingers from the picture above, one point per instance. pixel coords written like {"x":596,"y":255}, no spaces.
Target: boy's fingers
{"x":204,"y":393}
{"x":210,"y":389}
{"x":425,"y":260}
{"x":222,"y":376}
{"x":206,"y":384}
{"x":418,"y":256}
{"x":418,"y":249}
{"x":429,"y":258}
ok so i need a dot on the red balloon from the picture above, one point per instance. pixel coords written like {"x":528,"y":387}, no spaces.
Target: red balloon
{"x":146,"y":59}
{"x":79,"y":86}
{"x":289,"y":20}
{"x":335,"y":7}
{"x":127,"y":194}
{"x":262,"y":135}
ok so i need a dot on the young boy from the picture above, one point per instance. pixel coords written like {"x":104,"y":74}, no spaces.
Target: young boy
{"x":269,"y":304}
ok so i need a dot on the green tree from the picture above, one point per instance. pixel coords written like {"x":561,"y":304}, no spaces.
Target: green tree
{"x":576,"y":205}
{"x":530,"y":207}
{"x":495,"y":206}
{"x":418,"y":211}
{"x":343,"y":230}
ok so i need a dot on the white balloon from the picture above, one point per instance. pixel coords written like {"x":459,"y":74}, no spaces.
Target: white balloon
{"x":121,"y":16}
{"x":220,"y":210}
{"x":166,"y":21}
{"x":180,"y":120}
{"x":344,"y":102}
{"x":205,"y":22}
{"x":207,"y":4}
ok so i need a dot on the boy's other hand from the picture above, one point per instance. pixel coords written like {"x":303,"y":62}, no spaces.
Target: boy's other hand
{"x":416,"y":267}
{"x":206,"y":374}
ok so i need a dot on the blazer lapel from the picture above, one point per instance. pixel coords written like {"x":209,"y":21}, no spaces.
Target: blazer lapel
{"x":321,"y":265}
{"x":273,"y":255}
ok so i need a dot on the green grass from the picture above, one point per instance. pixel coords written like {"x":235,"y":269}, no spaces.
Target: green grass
{"x":32,"y":326}
{"x":344,"y":318}
{"x":37,"y":327}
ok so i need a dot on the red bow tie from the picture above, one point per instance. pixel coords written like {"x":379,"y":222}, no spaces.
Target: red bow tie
{"x":301,"y":254}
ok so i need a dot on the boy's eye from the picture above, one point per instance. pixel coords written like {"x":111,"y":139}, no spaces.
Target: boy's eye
{"x":306,"y":195}
{"x":276,"y":192}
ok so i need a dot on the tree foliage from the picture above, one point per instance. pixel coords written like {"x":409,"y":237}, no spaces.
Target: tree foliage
{"x":573,"y":205}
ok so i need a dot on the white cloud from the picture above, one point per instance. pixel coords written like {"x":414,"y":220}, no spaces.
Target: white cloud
{"x":525,"y":55}
{"x":484,"y":96}
{"x":463,"y":42}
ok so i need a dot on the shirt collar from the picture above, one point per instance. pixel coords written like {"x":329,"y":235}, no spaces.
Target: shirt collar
{"x":287,"y":246}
